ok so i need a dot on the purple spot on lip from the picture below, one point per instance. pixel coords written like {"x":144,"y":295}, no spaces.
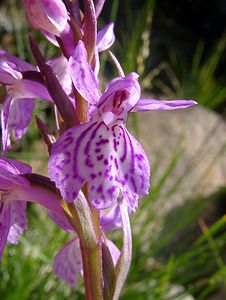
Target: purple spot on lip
{"x":115,"y":145}
{"x":139,"y":157}
{"x":100,"y":189}
{"x":111,"y":190}
{"x":93,"y":176}
{"x":102,"y":142}
{"x":69,"y":140}
{"x":97,"y":150}
{"x":83,"y":73}
{"x":134,"y":184}
{"x":100,"y":157}
{"x":106,"y":162}
{"x":96,"y":201}
{"x":116,"y":163}
{"x":99,"y":173}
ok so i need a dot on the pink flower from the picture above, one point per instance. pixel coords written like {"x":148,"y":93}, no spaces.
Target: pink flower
{"x":102,"y":152}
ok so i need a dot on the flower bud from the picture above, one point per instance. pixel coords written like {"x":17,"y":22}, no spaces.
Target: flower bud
{"x":49,"y":15}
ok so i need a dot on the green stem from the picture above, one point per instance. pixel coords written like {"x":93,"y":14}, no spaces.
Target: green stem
{"x":86,"y":223}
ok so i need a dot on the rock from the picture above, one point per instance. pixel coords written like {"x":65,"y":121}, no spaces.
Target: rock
{"x":197,"y":137}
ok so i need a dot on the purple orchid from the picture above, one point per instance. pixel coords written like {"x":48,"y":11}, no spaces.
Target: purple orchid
{"x":16,"y":190}
{"x":102,"y":152}
{"x":24,"y":83}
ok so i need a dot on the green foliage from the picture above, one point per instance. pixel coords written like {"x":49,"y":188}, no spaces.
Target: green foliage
{"x":198,"y":80}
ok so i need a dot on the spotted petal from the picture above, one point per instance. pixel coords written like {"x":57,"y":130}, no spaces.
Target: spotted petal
{"x":68,"y":262}
{"x":108,"y":158}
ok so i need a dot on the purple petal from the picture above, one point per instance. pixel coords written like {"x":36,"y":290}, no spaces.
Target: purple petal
{"x":8,"y":72}
{"x":4,"y":124}
{"x":61,"y":69}
{"x":83,"y":76}
{"x":68,"y":262}
{"x":50,"y":37}
{"x":98,"y":6}
{"x":112,"y":219}
{"x":4,"y":224}
{"x":16,"y":116}
{"x":115,"y":253}
{"x":25,"y":88}
{"x":48,"y":15}
{"x":147,"y":104}
{"x":9,"y":178}
{"x":108,"y":158}
{"x":18,"y":220}
{"x":15,"y":166}
{"x":129,"y":84}
{"x":105,"y":37}
{"x":21,"y":64}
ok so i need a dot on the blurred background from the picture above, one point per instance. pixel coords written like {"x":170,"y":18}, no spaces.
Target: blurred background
{"x":179,"y":230}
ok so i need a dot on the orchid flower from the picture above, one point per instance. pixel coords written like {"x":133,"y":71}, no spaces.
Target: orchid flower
{"x":16,"y":189}
{"x":102,"y":152}
{"x":24,"y":83}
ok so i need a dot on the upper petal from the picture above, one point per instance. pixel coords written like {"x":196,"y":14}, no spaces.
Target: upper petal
{"x":8,"y":72}
{"x":83,"y":76}
{"x":105,"y":37}
{"x":129,"y":84}
{"x":25,"y":88}
{"x":21,"y":64}
{"x":146,"y":104}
